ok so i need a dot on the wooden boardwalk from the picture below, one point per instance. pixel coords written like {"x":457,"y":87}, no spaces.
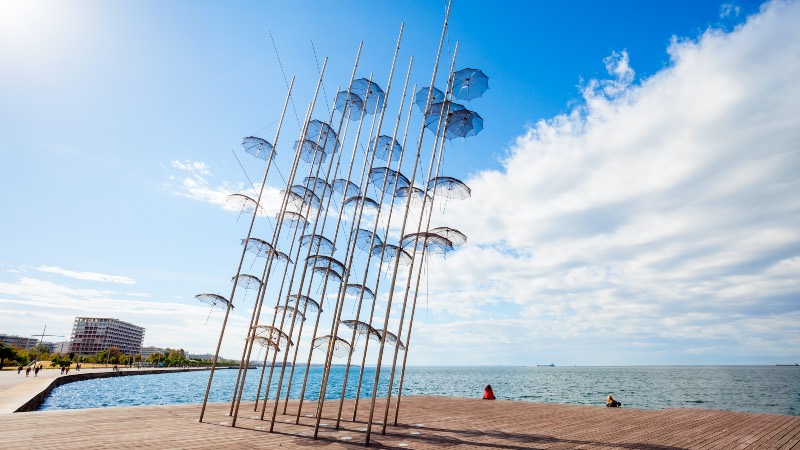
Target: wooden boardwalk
{"x":425,"y":423}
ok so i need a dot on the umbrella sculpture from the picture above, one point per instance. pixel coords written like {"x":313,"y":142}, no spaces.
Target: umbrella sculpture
{"x":213,"y":300}
{"x":258,"y":147}
{"x":469,"y":84}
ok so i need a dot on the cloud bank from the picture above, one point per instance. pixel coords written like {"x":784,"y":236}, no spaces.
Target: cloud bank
{"x":654,"y":223}
{"x":655,"y":220}
{"x":88,"y":276}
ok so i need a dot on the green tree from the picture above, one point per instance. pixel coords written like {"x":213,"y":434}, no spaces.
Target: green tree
{"x":61,"y":360}
{"x":40,"y":352}
{"x":111,"y":356}
{"x":176,"y":357}
{"x":155,"y":358}
{"x":7,"y":354}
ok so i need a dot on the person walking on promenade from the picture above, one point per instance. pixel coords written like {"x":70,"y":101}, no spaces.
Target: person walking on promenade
{"x":28,"y":371}
{"x":488,"y":394}
{"x":36,"y":371}
{"x":19,"y":369}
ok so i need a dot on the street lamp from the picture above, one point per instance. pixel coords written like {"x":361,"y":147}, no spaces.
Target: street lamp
{"x":41,"y":339}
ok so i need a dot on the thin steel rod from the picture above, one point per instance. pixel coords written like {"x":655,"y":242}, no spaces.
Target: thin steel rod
{"x":325,"y":281}
{"x":440,"y":157}
{"x":372,"y":242}
{"x":251,"y":331}
{"x":402,"y":230}
{"x":305,"y":272}
{"x":355,"y":226}
{"x":278,"y":228}
{"x":244,"y":252}
{"x":313,"y":171}
{"x":325,"y":217}
{"x":328,"y":174}
{"x":342,"y":283}
{"x":270,"y":259}
{"x":380,"y":264}
{"x":293,"y":240}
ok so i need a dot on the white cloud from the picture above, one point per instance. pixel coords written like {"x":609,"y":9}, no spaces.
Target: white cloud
{"x":193,"y":182}
{"x":88,"y":276}
{"x":729,"y":10}
{"x":33,"y":302}
{"x":654,"y":223}
{"x":662,"y":214}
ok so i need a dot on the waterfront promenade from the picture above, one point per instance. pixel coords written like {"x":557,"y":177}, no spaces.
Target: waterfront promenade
{"x":17,"y":390}
{"x":426,"y":422}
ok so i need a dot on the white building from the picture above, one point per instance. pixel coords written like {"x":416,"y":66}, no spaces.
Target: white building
{"x":149,"y":350}
{"x":92,"y":334}
{"x":61,"y":347}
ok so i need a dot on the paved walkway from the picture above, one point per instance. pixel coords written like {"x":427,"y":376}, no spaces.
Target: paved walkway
{"x":425,"y":423}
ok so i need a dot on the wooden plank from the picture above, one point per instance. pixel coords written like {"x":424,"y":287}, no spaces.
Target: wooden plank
{"x":425,"y":422}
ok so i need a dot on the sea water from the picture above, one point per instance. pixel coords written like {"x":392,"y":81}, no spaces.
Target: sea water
{"x":761,"y":389}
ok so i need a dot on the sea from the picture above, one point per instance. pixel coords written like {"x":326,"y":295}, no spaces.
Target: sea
{"x":759,"y":389}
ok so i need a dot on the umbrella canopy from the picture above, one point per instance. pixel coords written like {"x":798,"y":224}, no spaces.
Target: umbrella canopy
{"x":469,"y":84}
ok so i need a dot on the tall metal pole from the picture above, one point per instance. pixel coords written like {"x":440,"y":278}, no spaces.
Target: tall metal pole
{"x":337,"y":317}
{"x":277,"y":232}
{"x":251,"y":332}
{"x":327,"y":188}
{"x":342,"y":208}
{"x":355,"y":65}
{"x":440,"y":157}
{"x":335,"y":236}
{"x":241,"y":260}
{"x":293,"y":240}
{"x":402,"y":231}
{"x":330,"y":175}
{"x":380,"y":264}
{"x":303,"y":276}
{"x":372,"y":242}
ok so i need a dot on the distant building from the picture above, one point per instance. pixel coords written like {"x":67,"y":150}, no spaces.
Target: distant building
{"x":61,"y":347}
{"x":91,"y":335}
{"x":147,"y":351}
{"x":23,"y":342}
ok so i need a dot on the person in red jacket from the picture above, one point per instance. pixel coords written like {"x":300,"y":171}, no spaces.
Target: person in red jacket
{"x":487,"y":393}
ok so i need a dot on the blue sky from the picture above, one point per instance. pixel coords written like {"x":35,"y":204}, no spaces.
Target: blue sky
{"x":633,"y":190}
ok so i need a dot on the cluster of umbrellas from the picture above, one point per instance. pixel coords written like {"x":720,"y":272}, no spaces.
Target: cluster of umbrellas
{"x":457,"y":120}
{"x":308,"y":203}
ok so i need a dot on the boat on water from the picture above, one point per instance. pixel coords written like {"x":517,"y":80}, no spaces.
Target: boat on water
{"x":788,"y":365}
{"x":546,"y":365}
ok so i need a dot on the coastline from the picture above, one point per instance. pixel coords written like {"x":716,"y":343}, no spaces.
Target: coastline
{"x":19,"y":393}
{"x":427,"y":421}
{"x":655,"y":388}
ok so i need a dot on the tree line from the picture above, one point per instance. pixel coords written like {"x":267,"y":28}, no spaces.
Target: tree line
{"x":12,"y":356}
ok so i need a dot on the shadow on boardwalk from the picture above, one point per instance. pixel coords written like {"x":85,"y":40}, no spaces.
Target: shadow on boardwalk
{"x":442,"y":437}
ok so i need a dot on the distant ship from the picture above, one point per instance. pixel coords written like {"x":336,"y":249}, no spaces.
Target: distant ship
{"x":546,"y":365}
{"x":791,"y":365}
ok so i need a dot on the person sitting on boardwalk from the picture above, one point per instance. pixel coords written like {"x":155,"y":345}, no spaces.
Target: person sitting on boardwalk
{"x":611,"y":403}
{"x":488,"y":394}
